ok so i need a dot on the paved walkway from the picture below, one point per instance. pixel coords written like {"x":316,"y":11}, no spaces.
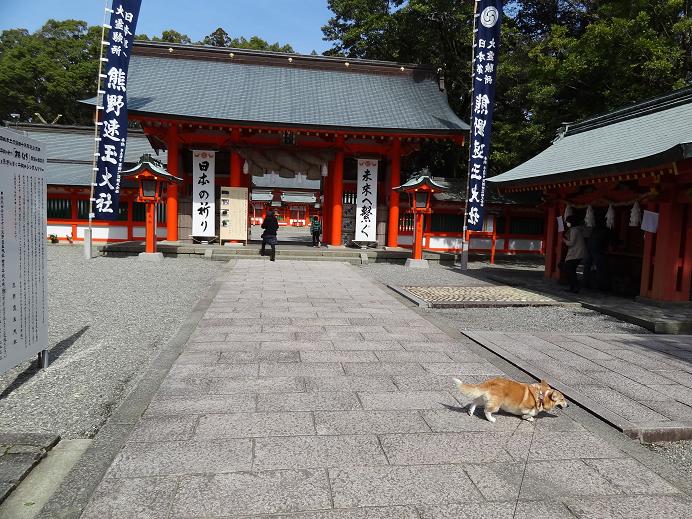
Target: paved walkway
{"x":640,"y":383}
{"x":307,"y":388}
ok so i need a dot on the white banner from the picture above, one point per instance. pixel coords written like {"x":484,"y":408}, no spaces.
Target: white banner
{"x":203,"y":198}
{"x":366,"y":201}
{"x":23,"y":309}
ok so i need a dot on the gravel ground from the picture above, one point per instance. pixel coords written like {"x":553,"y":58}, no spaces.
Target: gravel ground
{"x":99,"y":348}
{"x":678,"y":454}
{"x":515,"y":319}
{"x":391,"y":274}
{"x":534,"y":319}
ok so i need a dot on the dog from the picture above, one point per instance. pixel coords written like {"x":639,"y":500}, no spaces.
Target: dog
{"x":525,"y":400}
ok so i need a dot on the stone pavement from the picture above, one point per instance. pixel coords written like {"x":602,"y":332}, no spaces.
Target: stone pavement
{"x":308,"y":391}
{"x":642,"y":384}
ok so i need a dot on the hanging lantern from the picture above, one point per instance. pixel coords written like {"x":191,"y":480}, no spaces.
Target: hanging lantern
{"x":568,"y":211}
{"x":635,"y":215}
{"x":610,"y":217}
{"x":246,"y":168}
{"x":325,"y":171}
{"x":590,"y":218}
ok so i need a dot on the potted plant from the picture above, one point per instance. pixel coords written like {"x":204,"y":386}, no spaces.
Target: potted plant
{"x":53,"y":238}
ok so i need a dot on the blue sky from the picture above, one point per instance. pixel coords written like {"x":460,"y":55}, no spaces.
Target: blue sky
{"x":297,"y":22}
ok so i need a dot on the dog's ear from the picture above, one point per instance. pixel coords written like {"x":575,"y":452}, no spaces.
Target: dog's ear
{"x":553,"y":396}
{"x":544,"y":384}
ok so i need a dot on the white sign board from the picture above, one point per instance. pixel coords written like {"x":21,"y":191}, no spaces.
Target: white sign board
{"x":203,"y":197}
{"x":23,"y":308}
{"x":650,"y":221}
{"x":366,"y":201}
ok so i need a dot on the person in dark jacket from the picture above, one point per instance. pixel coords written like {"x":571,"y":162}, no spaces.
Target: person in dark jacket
{"x":315,"y":230}
{"x":576,"y":250}
{"x":270,"y":226}
{"x":595,"y":265}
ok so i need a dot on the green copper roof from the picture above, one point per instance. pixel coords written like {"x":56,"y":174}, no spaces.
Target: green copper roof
{"x":649,"y":134}
{"x":266,"y":89}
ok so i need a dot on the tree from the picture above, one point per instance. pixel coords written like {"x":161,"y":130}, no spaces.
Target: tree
{"x":49,"y":71}
{"x":560,"y":60}
{"x":171,"y":36}
{"x":220,"y":38}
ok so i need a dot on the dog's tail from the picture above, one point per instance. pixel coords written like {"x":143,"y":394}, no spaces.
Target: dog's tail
{"x":469,"y":390}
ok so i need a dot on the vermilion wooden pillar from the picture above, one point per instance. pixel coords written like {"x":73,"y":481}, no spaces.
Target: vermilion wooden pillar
{"x":337,"y":195}
{"x":236,"y":161}
{"x":550,"y":238}
{"x":150,"y":242}
{"x":173,"y":145}
{"x":418,"y":236}
{"x":664,"y":273}
{"x":326,"y":212}
{"x":394,"y":181}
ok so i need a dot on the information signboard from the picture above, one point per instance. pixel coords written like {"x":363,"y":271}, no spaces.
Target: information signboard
{"x":23,"y":308}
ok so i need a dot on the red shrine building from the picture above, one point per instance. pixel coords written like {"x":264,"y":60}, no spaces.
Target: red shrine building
{"x":305,"y":118}
{"x":630,"y":172}
{"x":290,"y":128}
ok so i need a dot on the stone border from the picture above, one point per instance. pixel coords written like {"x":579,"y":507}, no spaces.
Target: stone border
{"x":23,"y":451}
{"x":671,"y":432}
{"x":74,"y":492}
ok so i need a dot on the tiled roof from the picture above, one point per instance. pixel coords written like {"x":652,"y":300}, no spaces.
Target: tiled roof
{"x":70,"y":150}
{"x":651,"y":133}
{"x":266,"y":89}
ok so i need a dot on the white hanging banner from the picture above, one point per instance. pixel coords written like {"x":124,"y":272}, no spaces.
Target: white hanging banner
{"x":203,"y":197}
{"x":23,"y":309}
{"x":366,"y":201}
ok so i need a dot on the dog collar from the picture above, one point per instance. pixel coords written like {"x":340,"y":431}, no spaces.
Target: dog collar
{"x":541,"y":399}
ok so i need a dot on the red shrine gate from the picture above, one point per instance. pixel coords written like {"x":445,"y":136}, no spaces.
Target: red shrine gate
{"x":306,"y":115}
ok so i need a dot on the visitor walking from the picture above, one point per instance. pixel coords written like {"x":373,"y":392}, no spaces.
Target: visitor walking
{"x":270,"y":226}
{"x":315,"y":230}
{"x":576,"y":250}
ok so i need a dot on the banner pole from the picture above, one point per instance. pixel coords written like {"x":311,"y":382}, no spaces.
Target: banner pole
{"x":464,"y":259}
{"x":88,"y":234}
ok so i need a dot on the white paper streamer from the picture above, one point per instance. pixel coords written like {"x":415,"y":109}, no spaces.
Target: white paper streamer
{"x":568,"y":211}
{"x":635,"y":215}
{"x":590,"y":218}
{"x":610,"y":217}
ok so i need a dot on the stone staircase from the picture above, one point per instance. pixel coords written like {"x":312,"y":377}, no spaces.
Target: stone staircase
{"x":283,"y":253}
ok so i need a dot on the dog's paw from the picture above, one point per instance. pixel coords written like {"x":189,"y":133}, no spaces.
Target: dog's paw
{"x":490,"y":418}
{"x":528,"y":418}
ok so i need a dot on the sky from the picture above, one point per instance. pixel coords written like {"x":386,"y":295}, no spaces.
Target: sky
{"x":296,"y":22}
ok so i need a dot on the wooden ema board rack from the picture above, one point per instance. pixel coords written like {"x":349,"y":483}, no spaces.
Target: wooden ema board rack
{"x":233,"y":217}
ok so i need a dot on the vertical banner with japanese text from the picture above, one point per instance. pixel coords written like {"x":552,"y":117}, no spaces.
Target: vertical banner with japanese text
{"x":23,"y":282}
{"x":366,"y":200}
{"x":203,"y":197}
{"x":485,"y":51}
{"x":113,"y":123}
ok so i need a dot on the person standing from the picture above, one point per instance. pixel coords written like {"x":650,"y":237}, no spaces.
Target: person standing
{"x":576,"y":250}
{"x":271,"y":227}
{"x":315,"y":230}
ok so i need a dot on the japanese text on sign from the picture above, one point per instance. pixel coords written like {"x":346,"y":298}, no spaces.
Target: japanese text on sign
{"x":113,"y":125}
{"x":366,"y":201}
{"x":486,"y":40}
{"x":203,"y":196}
{"x":23,"y":312}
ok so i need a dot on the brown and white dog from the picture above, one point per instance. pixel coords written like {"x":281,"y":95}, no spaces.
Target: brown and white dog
{"x":525,"y":400}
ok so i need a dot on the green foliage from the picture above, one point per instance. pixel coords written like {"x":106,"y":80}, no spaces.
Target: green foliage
{"x":560,"y":60}
{"x":220,"y":38}
{"x":48,"y":71}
